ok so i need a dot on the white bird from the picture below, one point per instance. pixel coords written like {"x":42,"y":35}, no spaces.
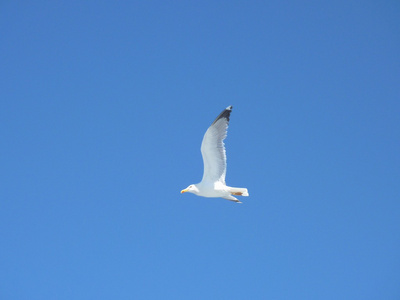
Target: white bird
{"x":214,"y":159}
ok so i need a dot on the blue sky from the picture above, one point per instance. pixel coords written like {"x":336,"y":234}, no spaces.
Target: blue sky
{"x":103,"y":106}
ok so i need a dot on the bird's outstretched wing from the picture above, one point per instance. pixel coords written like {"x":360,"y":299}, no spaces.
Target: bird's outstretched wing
{"x":213,"y":148}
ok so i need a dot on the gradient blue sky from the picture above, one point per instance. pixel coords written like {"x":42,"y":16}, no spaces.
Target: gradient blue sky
{"x":103,"y":106}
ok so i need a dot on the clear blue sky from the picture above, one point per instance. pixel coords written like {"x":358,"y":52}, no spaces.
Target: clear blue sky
{"x":103,"y":106}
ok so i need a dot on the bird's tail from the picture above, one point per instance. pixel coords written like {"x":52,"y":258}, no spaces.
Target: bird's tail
{"x":238,"y":191}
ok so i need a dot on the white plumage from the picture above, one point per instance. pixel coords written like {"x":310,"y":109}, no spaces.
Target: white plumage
{"x":214,"y":159}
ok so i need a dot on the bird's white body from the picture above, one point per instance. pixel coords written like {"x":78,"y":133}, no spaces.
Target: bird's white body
{"x":213,"y":189}
{"x":214,"y":157}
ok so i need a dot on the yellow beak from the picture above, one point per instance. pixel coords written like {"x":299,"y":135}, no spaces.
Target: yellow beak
{"x":184,"y":191}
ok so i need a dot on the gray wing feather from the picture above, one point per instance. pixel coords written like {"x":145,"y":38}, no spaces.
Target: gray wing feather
{"x":213,"y":148}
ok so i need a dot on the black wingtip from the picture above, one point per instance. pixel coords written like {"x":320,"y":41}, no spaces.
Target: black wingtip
{"x":226,"y":113}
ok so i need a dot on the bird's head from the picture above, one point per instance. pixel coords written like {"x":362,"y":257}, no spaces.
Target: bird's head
{"x":191,"y":189}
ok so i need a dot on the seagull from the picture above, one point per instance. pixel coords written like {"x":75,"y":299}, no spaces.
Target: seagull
{"x":214,"y":158}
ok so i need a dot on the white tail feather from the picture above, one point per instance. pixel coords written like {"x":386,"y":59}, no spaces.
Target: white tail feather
{"x":238,"y":191}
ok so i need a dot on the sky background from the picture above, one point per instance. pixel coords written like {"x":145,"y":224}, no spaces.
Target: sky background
{"x":103,"y":106}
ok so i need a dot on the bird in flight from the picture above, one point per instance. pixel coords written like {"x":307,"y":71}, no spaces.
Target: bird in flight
{"x":214,"y":158}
